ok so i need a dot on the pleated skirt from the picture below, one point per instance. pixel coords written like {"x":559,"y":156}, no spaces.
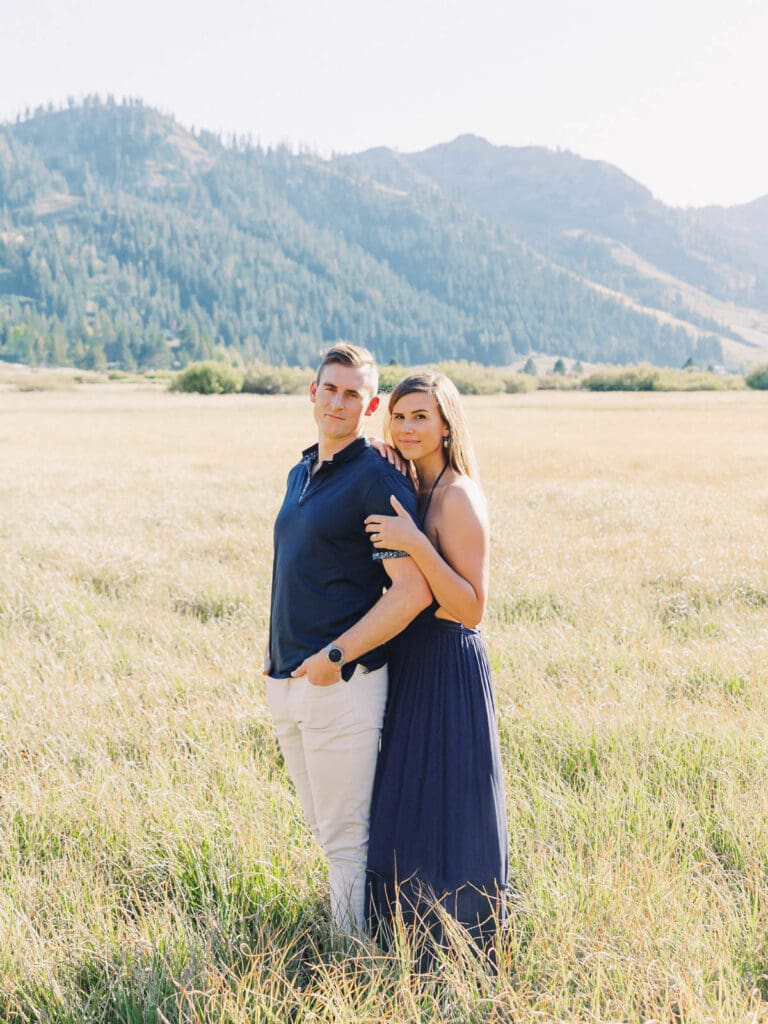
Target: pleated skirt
{"x":438,"y":837}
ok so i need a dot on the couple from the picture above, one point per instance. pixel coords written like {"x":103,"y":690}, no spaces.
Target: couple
{"x":362,"y":559}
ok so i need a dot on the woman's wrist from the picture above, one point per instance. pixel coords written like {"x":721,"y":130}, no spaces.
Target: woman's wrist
{"x":418,"y":544}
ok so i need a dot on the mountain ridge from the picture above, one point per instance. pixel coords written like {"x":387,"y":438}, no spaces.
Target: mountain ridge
{"x":127,"y":240}
{"x":722,"y":251}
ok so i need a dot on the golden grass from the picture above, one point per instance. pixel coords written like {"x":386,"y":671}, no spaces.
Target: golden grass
{"x":154,"y":863}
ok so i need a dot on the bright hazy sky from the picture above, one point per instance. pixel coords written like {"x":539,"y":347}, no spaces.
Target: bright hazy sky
{"x":672,"y":91}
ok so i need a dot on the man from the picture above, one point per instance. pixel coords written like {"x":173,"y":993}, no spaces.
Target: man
{"x":330,"y":616}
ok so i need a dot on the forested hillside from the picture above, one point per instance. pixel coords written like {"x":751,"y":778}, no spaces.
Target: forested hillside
{"x":694,"y":265}
{"x":127,"y":240}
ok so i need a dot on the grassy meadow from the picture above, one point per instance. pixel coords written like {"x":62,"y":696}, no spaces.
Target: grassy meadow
{"x":154,"y":865}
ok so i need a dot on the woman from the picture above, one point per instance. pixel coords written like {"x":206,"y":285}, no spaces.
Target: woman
{"x":438,"y":824}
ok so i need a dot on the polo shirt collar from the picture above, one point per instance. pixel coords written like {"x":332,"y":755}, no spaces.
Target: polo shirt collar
{"x":351,"y":451}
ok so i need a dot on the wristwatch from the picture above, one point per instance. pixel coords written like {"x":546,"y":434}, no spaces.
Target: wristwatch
{"x":335,"y":655}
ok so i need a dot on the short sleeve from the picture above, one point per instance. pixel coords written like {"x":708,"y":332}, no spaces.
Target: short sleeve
{"x":377,"y":502}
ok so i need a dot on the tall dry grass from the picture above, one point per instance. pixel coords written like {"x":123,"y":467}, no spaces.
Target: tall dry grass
{"x":154,"y":863}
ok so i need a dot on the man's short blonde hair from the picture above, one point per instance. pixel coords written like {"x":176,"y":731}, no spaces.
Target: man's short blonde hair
{"x":346,"y":354}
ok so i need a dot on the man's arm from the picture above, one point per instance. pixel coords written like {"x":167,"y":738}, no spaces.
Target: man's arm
{"x":397,"y":606}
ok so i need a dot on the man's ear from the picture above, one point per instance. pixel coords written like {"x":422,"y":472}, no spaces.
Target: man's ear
{"x":373,"y":405}
{"x":313,"y":391}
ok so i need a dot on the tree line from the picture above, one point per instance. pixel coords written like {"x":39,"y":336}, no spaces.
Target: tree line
{"x":127,"y":241}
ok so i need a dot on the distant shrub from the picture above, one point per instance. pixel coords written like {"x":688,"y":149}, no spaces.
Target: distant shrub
{"x":691,"y":379}
{"x":214,"y":377}
{"x":650,"y":378}
{"x":261,"y":379}
{"x":757,"y":378}
{"x":473,"y":378}
{"x":630,"y":378}
{"x":158,"y":376}
{"x":520,"y":384}
{"x":208,"y":378}
{"x":392,"y":374}
{"x":469,"y":378}
{"x":556,"y":382}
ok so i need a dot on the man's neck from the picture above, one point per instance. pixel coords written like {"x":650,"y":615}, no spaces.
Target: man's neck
{"x":326,"y":449}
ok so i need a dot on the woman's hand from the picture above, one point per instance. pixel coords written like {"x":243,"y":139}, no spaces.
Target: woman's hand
{"x":392,"y":533}
{"x":392,"y":455}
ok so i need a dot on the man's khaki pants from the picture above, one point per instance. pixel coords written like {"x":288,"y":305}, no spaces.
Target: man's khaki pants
{"x":329,"y":736}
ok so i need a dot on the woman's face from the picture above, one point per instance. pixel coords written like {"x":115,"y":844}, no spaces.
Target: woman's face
{"x":416,"y":425}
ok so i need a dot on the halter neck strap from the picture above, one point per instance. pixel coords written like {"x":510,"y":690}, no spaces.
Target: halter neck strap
{"x":423,"y":515}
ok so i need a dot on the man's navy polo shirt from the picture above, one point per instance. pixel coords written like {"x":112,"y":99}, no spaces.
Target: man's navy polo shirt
{"x":326,"y":574}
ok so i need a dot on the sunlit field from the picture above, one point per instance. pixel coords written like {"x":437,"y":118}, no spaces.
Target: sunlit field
{"x":154,"y":864}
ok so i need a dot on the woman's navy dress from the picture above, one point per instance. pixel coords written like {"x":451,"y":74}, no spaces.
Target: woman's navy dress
{"x":438,"y":821}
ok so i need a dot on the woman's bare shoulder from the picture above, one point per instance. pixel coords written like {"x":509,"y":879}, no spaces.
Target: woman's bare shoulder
{"x":464,"y":496}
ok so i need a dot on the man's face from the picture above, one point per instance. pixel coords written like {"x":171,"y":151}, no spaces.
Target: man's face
{"x":342,"y":399}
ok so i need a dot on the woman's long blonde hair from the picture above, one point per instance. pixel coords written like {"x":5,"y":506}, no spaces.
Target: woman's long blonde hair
{"x":459,"y":452}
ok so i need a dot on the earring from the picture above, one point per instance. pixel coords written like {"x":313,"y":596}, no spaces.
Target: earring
{"x":446,"y":440}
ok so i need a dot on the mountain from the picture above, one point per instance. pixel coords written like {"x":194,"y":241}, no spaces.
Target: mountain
{"x":127,"y":240}
{"x":747,"y":228}
{"x":707,"y":268}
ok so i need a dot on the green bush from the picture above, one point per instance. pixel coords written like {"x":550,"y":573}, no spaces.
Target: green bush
{"x":469,"y":378}
{"x":650,"y":378}
{"x":629,"y":378}
{"x":261,"y":379}
{"x":208,"y":378}
{"x":520,"y":384}
{"x":692,"y":379}
{"x":556,"y":382}
{"x":473,"y":378}
{"x":757,"y":378}
{"x":215,"y":377}
{"x":392,"y":374}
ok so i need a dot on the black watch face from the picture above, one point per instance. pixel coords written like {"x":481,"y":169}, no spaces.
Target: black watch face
{"x":335,"y":655}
